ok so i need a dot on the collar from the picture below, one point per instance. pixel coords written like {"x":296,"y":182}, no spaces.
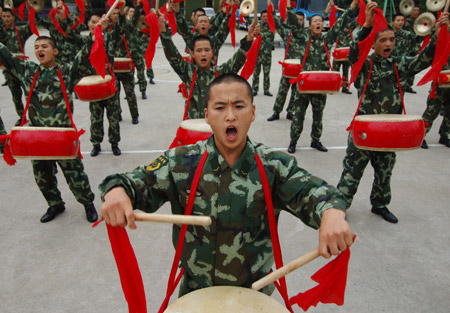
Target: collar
{"x":379,"y":59}
{"x":241,"y":167}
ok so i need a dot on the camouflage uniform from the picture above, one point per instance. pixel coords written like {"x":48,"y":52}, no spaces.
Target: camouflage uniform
{"x":316,"y":60}
{"x":217,"y":39}
{"x":236,"y":249}
{"x":48,"y":109}
{"x":382,"y":96}
{"x":15,"y":45}
{"x":2,"y":132}
{"x":441,"y":102}
{"x":264,"y":59}
{"x":185,"y":71}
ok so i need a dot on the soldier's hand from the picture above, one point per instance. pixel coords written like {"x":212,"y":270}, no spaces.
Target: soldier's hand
{"x":335,"y":234}
{"x":117,"y":209}
{"x":370,"y":13}
{"x":442,"y":20}
{"x":162,"y":23}
{"x":104,"y":21}
{"x":354,"y":4}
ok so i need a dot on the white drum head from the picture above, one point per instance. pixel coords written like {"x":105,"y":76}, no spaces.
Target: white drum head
{"x":388,"y":118}
{"x":197,"y":124}
{"x":226,"y":299}
{"x":94,"y":80}
{"x":122,"y":60}
{"x":292,"y":61}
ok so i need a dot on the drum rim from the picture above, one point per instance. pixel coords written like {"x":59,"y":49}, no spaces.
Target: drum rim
{"x":411,"y":117}
{"x":107,"y":79}
{"x":45,"y":128}
{"x":320,"y":72}
{"x":122,"y":59}
{"x":196,"y":121}
{"x":285,"y":61}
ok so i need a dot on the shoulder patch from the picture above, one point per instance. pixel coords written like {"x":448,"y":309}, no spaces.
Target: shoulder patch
{"x":160,"y":161}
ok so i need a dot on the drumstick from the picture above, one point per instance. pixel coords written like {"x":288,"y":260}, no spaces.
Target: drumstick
{"x":340,"y":9}
{"x":174,"y":219}
{"x":446,"y":6}
{"x":286,"y":269}
{"x":111,"y":9}
{"x":255,"y":12}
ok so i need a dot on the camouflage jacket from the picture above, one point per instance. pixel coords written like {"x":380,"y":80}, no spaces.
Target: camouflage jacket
{"x":382,"y":95}
{"x":346,"y":35}
{"x":47,"y":106}
{"x":285,"y":30}
{"x":185,"y":71}
{"x":215,"y":21}
{"x":15,"y":44}
{"x":236,"y":249}
{"x":406,"y":43}
{"x":267,"y":44}
{"x":409,"y":24}
{"x":217,"y":39}
{"x":317,"y":59}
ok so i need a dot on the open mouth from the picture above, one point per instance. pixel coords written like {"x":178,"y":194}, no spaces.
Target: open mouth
{"x":387,"y":50}
{"x":41,"y":55}
{"x":231,"y":133}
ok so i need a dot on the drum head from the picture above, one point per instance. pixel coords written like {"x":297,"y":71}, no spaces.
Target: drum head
{"x":292,"y":61}
{"x":197,"y":124}
{"x":122,"y":60}
{"x":388,"y":118}
{"x":92,"y":80}
{"x":226,"y":299}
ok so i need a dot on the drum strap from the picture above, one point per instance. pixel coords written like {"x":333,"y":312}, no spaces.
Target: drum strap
{"x":194,"y":77}
{"x":328,"y":55}
{"x":24,"y":115}
{"x":128,"y":51}
{"x":364,"y":91}
{"x":18,"y":37}
{"x":287,"y":46}
{"x":350,"y":33}
{"x":173,"y":282}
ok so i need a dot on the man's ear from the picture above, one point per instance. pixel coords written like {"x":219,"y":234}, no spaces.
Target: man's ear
{"x":206,"y":114}
{"x":55,"y":51}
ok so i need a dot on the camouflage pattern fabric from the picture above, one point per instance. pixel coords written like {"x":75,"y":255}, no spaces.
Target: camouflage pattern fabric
{"x":382,"y":96}
{"x":185,"y":71}
{"x":2,"y":132}
{"x":264,"y":59}
{"x":236,"y":249}
{"x":14,"y":85}
{"x":97,"y":110}
{"x":343,"y":40}
{"x":48,"y":109}
{"x":127,"y":80}
{"x":317,"y":104}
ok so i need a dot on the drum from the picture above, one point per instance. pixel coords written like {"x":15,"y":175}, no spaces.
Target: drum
{"x":95,"y":88}
{"x":44,"y":143}
{"x":388,"y":132}
{"x":225,"y":299}
{"x":187,"y":57}
{"x":444,"y":79}
{"x":341,"y":54}
{"x":291,"y":68}
{"x":191,"y":131}
{"x":123,"y":65}
{"x":319,"y":82}
{"x":19,"y":55}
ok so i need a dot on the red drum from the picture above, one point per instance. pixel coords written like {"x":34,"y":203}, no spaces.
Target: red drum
{"x":44,"y":143}
{"x":19,"y":55}
{"x":319,"y":82}
{"x":95,"y":88}
{"x":191,"y":131}
{"x":341,"y":54}
{"x":123,"y":65}
{"x":388,"y":132}
{"x":444,"y":79}
{"x":291,"y":68}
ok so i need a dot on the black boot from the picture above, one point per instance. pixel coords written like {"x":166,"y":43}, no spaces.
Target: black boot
{"x":385,"y":214}
{"x":144,"y":96}
{"x":318,"y":145}
{"x":424,"y":145}
{"x":274,"y":117}
{"x":52,"y":212}
{"x":95,"y":150}
{"x":91,"y":213}
{"x":444,"y":141}
{"x":115,"y":149}
{"x":291,"y":148}
{"x":289,"y":116}
{"x":135,"y":120}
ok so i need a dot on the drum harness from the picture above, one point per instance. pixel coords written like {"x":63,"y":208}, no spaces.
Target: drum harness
{"x":174,"y":280}
{"x":364,"y":91}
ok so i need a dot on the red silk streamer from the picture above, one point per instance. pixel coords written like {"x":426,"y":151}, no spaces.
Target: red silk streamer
{"x":21,"y":10}
{"x":170,"y":17}
{"x":55,"y":21}
{"x":241,"y":19}
{"x":14,"y":10}
{"x":425,"y":42}
{"x":379,"y":23}
{"x":98,"y":53}
{"x":440,"y":57}
{"x":332,"y":279}
{"x":333,"y":16}
{"x":31,"y":20}
{"x":77,"y":22}
{"x":81,"y":8}
{"x":251,"y":56}
{"x":128,"y":267}
{"x":362,"y":13}
{"x":152,"y":22}
{"x":270,"y":20}
{"x":7,"y":155}
{"x":66,"y":10}
{"x":282,"y":7}
{"x":119,"y":5}
{"x":232,"y":25}
{"x":146,"y":7}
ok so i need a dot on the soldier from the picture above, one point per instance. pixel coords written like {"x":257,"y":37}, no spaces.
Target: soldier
{"x":231,"y":193}
{"x":14,"y":38}
{"x":382,"y":96}
{"x":264,"y":59}
{"x":290,"y":53}
{"x":2,"y":132}
{"x":137,"y":51}
{"x":439,"y":103}
{"x":201,"y":72}
{"x":411,"y":19}
{"x":406,"y":43}
{"x":48,"y":108}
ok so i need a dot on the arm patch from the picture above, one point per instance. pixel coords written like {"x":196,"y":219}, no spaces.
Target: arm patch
{"x":160,"y":161}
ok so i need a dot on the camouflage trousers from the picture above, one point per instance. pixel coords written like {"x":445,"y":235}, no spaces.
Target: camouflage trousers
{"x":140,"y":68}
{"x":265,"y":63}
{"x":440,"y":103}
{"x":2,"y":132}
{"x":127,"y":80}
{"x":302,"y":101}
{"x":97,"y":110}
{"x":345,"y":69}
{"x":14,"y":86}
{"x":283,"y":90}
{"x":150,"y":74}
{"x":73,"y":170}
{"x":355,"y":162}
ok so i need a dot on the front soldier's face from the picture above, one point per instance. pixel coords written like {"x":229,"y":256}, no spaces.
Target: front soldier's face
{"x":203,"y":54}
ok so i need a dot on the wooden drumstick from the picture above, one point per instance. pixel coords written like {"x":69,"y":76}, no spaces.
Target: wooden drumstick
{"x":174,"y":219}
{"x":255,"y":12}
{"x":446,"y":6}
{"x":286,"y":269}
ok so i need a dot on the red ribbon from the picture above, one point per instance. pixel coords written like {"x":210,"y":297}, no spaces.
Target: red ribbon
{"x":241,"y":19}
{"x":425,"y":42}
{"x":333,"y":16}
{"x":152,"y":22}
{"x":270,"y":20}
{"x":55,"y":21}
{"x":81,"y":8}
{"x":251,"y":56}
{"x":362,"y":13}
{"x":170,"y":17}
{"x":31,"y":19}
{"x":98,"y":53}
{"x":146,"y":7}
{"x":21,"y":9}
{"x":7,"y":155}
{"x":232,"y":25}
{"x":111,"y":2}
{"x":282,"y":7}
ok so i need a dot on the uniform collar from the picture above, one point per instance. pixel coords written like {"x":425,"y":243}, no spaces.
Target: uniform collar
{"x":241,"y":167}
{"x":380,"y":59}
